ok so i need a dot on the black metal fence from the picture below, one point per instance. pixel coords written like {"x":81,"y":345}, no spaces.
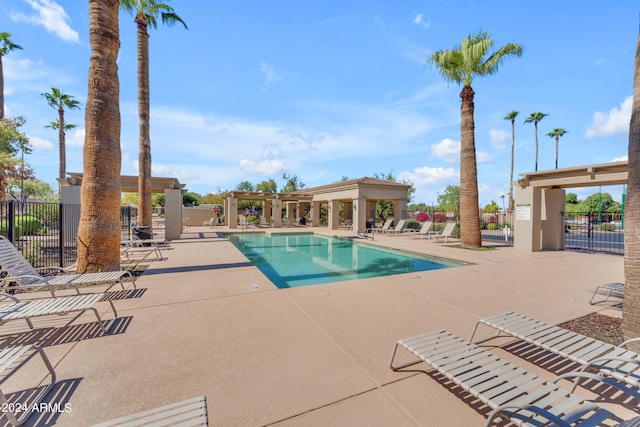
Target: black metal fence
{"x":497,"y":227}
{"x":594,"y":232}
{"x":46,"y":233}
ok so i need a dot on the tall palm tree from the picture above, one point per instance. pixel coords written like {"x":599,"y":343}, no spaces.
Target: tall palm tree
{"x":557,"y":133}
{"x":461,"y":65}
{"x":535,"y":118}
{"x":631,"y":306}
{"x":6,"y":46}
{"x":59,"y":100}
{"x":146,"y":14}
{"x":99,"y":232}
{"x":512,"y":118}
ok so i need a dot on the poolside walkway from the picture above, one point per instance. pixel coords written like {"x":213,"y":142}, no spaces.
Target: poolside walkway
{"x":207,"y":322}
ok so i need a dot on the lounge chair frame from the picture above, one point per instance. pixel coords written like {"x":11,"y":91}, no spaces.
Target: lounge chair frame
{"x":191,"y":412}
{"x":509,"y":390}
{"x":609,"y":288}
{"x":614,"y":365}
{"x":7,"y":357}
{"x":21,"y":271}
{"x":29,"y":309}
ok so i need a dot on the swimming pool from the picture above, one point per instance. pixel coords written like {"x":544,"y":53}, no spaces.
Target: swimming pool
{"x":302,"y":259}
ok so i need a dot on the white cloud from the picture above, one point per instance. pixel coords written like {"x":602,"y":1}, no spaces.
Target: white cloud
{"x":498,"y":138}
{"x":419,"y":20}
{"x":615,"y":122}
{"x":270,"y":75}
{"x":51,"y":16}
{"x":447,"y":150}
{"x":38,"y":143}
{"x":621,"y":159}
{"x":483,"y":157}
{"x":425,"y":175}
{"x":262,"y":167}
{"x":74,"y":138}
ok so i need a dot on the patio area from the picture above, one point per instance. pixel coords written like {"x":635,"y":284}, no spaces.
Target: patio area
{"x":207,"y":322}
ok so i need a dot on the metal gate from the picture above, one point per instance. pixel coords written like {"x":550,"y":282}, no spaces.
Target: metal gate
{"x":46,"y":233}
{"x":594,"y":232}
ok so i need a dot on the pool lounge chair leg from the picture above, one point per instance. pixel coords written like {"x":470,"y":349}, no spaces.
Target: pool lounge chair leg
{"x":404,"y":365}
{"x":100,"y":322}
{"x":473,"y":332}
{"x":26,"y":414}
{"x":593,"y":295}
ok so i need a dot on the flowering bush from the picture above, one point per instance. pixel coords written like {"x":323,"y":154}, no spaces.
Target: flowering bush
{"x":422,"y":217}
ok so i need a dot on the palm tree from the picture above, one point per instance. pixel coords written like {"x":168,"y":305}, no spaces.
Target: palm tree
{"x":59,"y":101}
{"x":631,"y":306}
{"x":99,"y":231}
{"x":461,"y":65}
{"x":6,"y":46}
{"x":146,"y":13}
{"x":512,"y":118}
{"x":557,"y":133}
{"x":535,"y":118}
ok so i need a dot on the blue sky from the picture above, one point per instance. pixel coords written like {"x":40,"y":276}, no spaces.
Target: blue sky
{"x":324,"y":90}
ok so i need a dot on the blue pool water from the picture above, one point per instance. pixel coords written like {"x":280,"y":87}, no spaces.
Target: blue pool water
{"x":301,"y":259}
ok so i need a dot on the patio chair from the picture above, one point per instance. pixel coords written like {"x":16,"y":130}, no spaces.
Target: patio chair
{"x":608,"y":363}
{"x":209,"y":222}
{"x":510,"y":391}
{"x":10,"y":355}
{"x":398,"y":228}
{"x":609,"y":288}
{"x":385,"y":227}
{"x":264,"y":222}
{"x":137,"y":245}
{"x":446,"y":232}
{"x":191,"y":412}
{"x":425,"y":231}
{"x":16,"y":270}
{"x":28,"y":309}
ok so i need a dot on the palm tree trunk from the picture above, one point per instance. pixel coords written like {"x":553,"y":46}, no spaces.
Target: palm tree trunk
{"x":557,"y":138}
{"x":1,"y":90}
{"x":631,"y":306}
{"x":470,"y":236}
{"x":513,"y":157}
{"x":535,"y":124}
{"x":63,"y":166}
{"x":99,"y":230}
{"x":144,"y":150}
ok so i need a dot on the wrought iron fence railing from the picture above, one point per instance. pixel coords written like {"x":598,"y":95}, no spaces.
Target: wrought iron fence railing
{"x":495,"y":227}
{"x":594,"y":232}
{"x":46,"y":233}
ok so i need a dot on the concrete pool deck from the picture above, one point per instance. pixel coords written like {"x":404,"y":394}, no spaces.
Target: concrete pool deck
{"x":207,"y":322}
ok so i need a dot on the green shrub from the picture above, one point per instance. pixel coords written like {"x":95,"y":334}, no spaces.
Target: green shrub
{"x":412,"y":224}
{"x":251,"y":218}
{"x":492,"y":226}
{"x":25,"y":226}
{"x":607,"y":227}
{"x":28,"y":225}
{"x":31,"y":252}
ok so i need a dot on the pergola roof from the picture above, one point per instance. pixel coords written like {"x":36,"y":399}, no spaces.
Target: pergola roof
{"x":579,"y":176}
{"x":352,"y":183}
{"x":307,"y":194}
{"x":129,"y":184}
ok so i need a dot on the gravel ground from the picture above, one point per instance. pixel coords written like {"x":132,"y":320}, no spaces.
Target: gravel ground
{"x":604,"y":328}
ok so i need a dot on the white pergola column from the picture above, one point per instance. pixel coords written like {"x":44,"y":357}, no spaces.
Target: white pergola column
{"x":172,"y":214}
{"x":276,"y":213}
{"x":231,"y":207}
{"x":399,"y":209}
{"x":334,"y":215}
{"x":359,"y":214}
